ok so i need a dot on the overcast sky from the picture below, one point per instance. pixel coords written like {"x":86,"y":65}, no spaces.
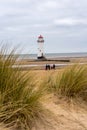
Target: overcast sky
{"x":63,"y":24}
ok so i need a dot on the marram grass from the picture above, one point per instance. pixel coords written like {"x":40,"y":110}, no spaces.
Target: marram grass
{"x":71,"y":82}
{"x":19,"y":100}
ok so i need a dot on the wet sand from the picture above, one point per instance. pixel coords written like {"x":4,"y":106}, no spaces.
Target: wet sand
{"x":59,"y":62}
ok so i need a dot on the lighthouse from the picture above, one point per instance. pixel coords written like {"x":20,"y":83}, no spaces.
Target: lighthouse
{"x":40,"y":42}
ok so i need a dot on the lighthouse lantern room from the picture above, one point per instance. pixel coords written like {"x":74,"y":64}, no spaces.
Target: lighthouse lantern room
{"x":40,"y":47}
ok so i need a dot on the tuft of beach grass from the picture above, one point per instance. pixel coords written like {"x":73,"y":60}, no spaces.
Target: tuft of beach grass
{"x":71,"y":82}
{"x":20,"y":105}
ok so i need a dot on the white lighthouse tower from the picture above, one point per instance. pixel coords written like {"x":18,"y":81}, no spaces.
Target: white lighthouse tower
{"x":40,"y":47}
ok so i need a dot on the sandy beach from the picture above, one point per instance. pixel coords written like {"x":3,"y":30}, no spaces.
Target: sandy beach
{"x":35,"y":64}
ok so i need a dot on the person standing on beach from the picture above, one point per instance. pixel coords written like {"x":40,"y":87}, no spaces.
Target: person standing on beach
{"x":54,"y":66}
{"x":47,"y":67}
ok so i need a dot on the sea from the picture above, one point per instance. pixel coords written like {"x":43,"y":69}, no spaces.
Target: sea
{"x":54,"y":55}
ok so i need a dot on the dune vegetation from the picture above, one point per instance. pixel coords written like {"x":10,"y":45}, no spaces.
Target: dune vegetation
{"x":19,"y":98}
{"x":71,"y":82}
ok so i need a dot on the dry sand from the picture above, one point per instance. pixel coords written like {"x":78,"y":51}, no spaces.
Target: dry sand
{"x":68,"y":116}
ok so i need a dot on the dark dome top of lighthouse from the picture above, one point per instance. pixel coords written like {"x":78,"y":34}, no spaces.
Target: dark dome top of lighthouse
{"x":40,"y":36}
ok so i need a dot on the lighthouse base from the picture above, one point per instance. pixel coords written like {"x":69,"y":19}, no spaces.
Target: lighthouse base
{"x":41,"y":58}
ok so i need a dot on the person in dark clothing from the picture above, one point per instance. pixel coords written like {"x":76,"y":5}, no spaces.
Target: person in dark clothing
{"x":53,"y":66}
{"x":46,"y":67}
{"x":49,"y":67}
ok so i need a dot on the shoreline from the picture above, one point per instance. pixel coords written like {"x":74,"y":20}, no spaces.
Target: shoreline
{"x":40,"y":64}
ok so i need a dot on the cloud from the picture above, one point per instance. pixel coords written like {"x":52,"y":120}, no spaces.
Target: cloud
{"x":70,"y":22}
{"x":47,"y":5}
{"x":59,"y":20}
